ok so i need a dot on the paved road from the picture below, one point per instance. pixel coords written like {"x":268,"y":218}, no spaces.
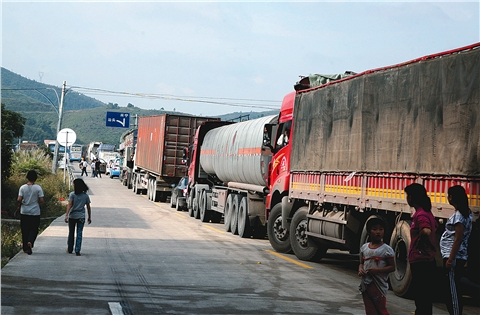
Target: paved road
{"x":140,"y":257}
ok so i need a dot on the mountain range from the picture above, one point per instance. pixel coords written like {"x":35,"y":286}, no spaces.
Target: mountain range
{"x":38,"y":102}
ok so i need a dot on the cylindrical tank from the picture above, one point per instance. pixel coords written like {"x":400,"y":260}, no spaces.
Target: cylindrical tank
{"x":234,"y":152}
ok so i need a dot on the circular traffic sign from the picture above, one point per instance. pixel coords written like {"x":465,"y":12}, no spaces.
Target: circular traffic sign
{"x":66,"y":137}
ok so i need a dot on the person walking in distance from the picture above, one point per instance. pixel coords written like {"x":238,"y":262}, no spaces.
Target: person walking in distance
{"x":84,"y":168}
{"x":30,"y":196}
{"x":94,"y":171}
{"x":376,"y":262}
{"x":75,"y":214}
{"x":453,"y":246}
{"x":97,"y":168}
{"x":421,"y":254}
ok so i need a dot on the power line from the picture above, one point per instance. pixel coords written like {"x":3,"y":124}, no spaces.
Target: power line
{"x":223,"y":101}
{"x":266,"y":104}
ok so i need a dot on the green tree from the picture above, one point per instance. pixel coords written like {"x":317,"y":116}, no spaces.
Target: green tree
{"x":12,"y":127}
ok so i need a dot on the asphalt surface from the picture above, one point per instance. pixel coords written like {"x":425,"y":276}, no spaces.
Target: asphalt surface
{"x":140,"y":257}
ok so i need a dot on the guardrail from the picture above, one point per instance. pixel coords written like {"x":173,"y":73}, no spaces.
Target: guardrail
{"x":71,"y":175}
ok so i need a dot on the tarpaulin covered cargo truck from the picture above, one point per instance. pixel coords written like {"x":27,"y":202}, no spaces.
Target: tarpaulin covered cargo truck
{"x":357,"y":142}
{"x":158,"y":162}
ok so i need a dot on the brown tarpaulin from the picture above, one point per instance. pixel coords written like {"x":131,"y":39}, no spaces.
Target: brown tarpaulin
{"x":421,"y":118}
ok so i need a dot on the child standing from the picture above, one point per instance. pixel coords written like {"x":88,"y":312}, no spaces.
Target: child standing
{"x":376,"y":262}
{"x":75,"y":215}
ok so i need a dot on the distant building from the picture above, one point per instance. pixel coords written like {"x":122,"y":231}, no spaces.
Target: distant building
{"x":26,"y":146}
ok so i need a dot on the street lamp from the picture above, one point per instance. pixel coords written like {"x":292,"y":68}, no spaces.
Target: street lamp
{"x":60,"y":116}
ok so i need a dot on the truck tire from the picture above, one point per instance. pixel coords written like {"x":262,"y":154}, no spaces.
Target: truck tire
{"x":155,"y":194}
{"x":204,"y":213}
{"x":172,"y":202}
{"x":150,"y":189}
{"x":227,"y":214}
{"x":177,"y":205}
{"x":134,"y":183}
{"x":191,"y":210}
{"x":244,"y":229}
{"x":138,"y":191}
{"x":234,"y":214}
{"x":304,"y":247}
{"x":196,"y":208}
{"x":401,"y":278}
{"x":279,"y":237}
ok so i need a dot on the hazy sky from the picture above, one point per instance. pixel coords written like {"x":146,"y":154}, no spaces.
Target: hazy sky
{"x":225,"y":52}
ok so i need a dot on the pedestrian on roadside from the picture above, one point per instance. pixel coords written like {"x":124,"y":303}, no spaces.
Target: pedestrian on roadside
{"x":75,"y":214}
{"x":453,"y":246}
{"x":30,"y":196}
{"x":94,"y":171}
{"x":376,"y":262}
{"x":84,"y":167}
{"x":97,"y":168}
{"x":421,"y":254}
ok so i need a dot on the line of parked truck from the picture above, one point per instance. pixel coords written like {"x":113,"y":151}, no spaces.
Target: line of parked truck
{"x":338,"y":154}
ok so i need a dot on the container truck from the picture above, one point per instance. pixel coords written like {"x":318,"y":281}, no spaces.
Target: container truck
{"x":158,"y":162}
{"x":107,"y":152}
{"x":228,"y":172}
{"x":127,"y":151}
{"x":355,"y":143}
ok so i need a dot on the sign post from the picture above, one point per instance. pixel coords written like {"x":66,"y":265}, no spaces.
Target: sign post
{"x":116,"y":119}
{"x":67,"y":138}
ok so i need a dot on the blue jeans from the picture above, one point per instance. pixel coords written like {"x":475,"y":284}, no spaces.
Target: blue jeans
{"x":79,"y":223}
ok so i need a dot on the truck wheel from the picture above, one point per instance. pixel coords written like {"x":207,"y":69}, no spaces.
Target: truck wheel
{"x":227,"y":214}
{"x":149,"y":189}
{"x":278,"y":236}
{"x":234,"y":214}
{"x":138,"y":191}
{"x":134,"y":183}
{"x":196,"y":208}
{"x":191,"y":210}
{"x":177,"y":205}
{"x":304,"y":247}
{"x":401,"y":278}
{"x":244,"y":230}
{"x":155,"y":195}
{"x":204,"y":213}
{"x":172,"y":203}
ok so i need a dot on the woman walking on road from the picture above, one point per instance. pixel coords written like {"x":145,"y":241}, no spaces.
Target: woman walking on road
{"x":75,"y":215}
{"x":30,"y":196}
{"x":453,"y":246}
{"x":421,"y":254}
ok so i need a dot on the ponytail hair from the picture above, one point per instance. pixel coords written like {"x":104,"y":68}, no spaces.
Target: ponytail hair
{"x":459,"y":199}
{"x":418,"y":196}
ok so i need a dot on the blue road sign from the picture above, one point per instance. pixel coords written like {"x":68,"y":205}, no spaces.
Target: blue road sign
{"x":116,"y":119}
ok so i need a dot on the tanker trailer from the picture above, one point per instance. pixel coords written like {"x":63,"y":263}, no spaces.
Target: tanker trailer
{"x":228,"y":175}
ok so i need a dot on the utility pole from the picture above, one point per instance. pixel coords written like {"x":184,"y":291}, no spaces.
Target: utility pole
{"x":60,"y":115}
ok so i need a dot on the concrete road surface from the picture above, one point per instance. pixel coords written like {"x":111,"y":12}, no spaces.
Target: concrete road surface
{"x":140,"y":257}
